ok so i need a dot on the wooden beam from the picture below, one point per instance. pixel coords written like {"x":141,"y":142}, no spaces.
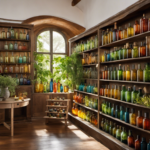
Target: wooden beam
{"x":75,"y":2}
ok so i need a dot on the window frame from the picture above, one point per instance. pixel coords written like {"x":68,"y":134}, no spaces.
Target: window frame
{"x":51,"y":53}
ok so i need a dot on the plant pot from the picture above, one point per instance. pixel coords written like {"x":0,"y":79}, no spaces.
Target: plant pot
{"x":6,"y":93}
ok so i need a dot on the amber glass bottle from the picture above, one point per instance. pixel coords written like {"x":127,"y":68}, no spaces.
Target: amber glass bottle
{"x":108,"y":91}
{"x":139,"y":74}
{"x":136,"y":28}
{"x":124,"y":74}
{"x":102,"y":91}
{"x":133,"y":73}
{"x":143,"y":24}
{"x":106,"y":72}
{"x":146,"y":122}
{"x":130,"y":139}
{"x":112,"y":92}
{"x":128,"y":74}
{"x":129,"y":50}
{"x":138,"y":143}
{"x":115,"y":92}
{"x":105,"y":90}
{"x":120,"y":34}
{"x":132,"y":117}
{"x":125,"y":32}
{"x":139,"y":120}
{"x":142,"y":50}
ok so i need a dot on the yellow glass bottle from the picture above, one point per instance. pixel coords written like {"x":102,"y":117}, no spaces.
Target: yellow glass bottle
{"x":133,"y":73}
{"x":103,"y":58}
{"x":132,"y":117}
{"x":16,"y":34}
{"x":125,"y":32}
{"x":130,"y":31}
{"x":112,"y":92}
{"x":124,"y":74}
{"x":128,"y":74}
{"x":115,"y":92}
{"x":26,"y":70}
{"x":58,"y":87}
{"x":139,"y":74}
{"x":6,"y":57}
{"x":108,"y":37}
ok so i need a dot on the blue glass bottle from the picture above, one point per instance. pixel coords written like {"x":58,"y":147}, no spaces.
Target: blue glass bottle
{"x":21,"y":80}
{"x":61,"y":88}
{"x":92,"y":87}
{"x":121,"y":113}
{"x":108,"y":56}
{"x":112,"y":110}
{"x":143,"y":144}
{"x":20,"y":59}
{"x":51,"y":85}
{"x":127,"y":115}
{"x":148,"y":145}
{"x":27,"y":36}
{"x":28,"y":82}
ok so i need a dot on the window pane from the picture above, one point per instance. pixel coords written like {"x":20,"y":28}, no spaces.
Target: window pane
{"x":43,"y":42}
{"x":58,"y":43}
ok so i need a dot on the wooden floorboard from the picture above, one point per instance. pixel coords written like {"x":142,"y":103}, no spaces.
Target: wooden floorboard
{"x":36,"y":135}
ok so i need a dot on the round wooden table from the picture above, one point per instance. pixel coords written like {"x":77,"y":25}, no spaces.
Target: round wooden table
{"x":10,"y":103}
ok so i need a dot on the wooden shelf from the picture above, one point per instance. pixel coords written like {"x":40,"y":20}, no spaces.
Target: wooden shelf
{"x":50,"y":93}
{"x":86,"y":93}
{"x":123,"y":122}
{"x":123,"y":81}
{"x":89,"y":65}
{"x":125,"y":60}
{"x":108,"y":136}
{"x":56,"y":106}
{"x":89,"y":79}
{"x":86,"y":106}
{"x":120,"y":101}
{"x":15,"y":51}
{"x":129,"y":39}
{"x":14,"y":63}
{"x":65,"y":100}
{"x":47,"y":117}
{"x":20,"y":86}
{"x":14,"y":40}
{"x":88,"y":51}
{"x":55,"y":112}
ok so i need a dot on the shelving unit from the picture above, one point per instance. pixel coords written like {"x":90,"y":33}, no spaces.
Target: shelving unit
{"x":126,"y":16}
{"x":50,"y":104}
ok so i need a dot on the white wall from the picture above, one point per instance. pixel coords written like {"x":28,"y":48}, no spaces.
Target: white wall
{"x":96,"y":11}
{"x":24,"y":9}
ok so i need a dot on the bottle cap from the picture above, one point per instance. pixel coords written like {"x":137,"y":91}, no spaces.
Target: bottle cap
{"x":123,"y":86}
{"x":127,"y":109}
{"x":60,"y":84}
{"x":119,"y":66}
{"x":51,"y":79}
{"x":132,"y":110}
{"x":139,"y":113}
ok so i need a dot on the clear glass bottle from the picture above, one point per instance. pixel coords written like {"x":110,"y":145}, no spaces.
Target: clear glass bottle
{"x":24,"y":60}
{"x":16,"y":46}
{"x":128,"y":95}
{"x":12,"y":58}
{"x":6,"y":58}
{"x":133,"y":73}
{"x":115,"y":32}
{"x":1,"y":58}
{"x":135,"y":51}
{"x":3,"y":35}
{"x":128,"y":74}
{"x":130,"y":139}
{"x":139,"y":120}
{"x":119,"y":73}
{"x":6,"y":46}
{"x":125,"y":32}
{"x":123,"y":91}
{"x":8,"y":34}
{"x":143,"y":24}
{"x":11,"y":47}
{"x":130,"y":31}
{"x":142,"y":50}
{"x":114,"y":130}
{"x":16,"y":34}
{"x":136,"y":28}
{"x":132,"y":117}
{"x":21,"y":35}
{"x":12,"y":33}
{"x":124,"y":136}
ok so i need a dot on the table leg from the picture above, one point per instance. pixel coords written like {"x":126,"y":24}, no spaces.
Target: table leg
{"x":12,"y":120}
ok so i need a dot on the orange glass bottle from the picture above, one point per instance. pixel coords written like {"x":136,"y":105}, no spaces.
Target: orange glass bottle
{"x":136,"y":28}
{"x":106,"y":73}
{"x":143,"y":24}
{"x":105,"y":90}
{"x":146,"y":122}
{"x":102,"y":91}
{"x":103,"y":74}
{"x":76,"y":111}
{"x":142,"y":50}
{"x":139,"y":120}
{"x":79,"y":99}
{"x":54,"y":87}
{"x":130,"y":139}
{"x":138,"y":143}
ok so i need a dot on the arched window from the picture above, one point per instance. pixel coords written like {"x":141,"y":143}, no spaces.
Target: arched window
{"x":50,"y":44}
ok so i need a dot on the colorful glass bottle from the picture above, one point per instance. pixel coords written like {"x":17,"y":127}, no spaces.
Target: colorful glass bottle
{"x":20,"y":59}
{"x":118,"y":132}
{"x":139,"y":120}
{"x":24,"y":60}
{"x":143,"y":24}
{"x":146,"y":122}
{"x":112,"y":92}
{"x":128,"y":95}
{"x":8,"y":35}
{"x":142,"y":50}
{"x":130,"y":30}
{"x":143,"y":144}
{"x":114,"y":130}
{"x":54,"y":87}
{"x":124,"y":136}
{"x":146,"y":73}
{"x":135,"y":51}
{"x":124,"y":73}
{"x":12,"y":33}
{"x":136,"y":28}
{"x":111,"y":35}
{"x":133,"y":73}
{"x":119,"y":73}
{"x":51,"y":85}
{"x":11,"y":47}
{"x":128,"y":74}
{"x":130,"y":139}
{"x":115,"y":32}
{"x":124,"y":52}
{"x":112,"y":110}
{"x":138,"y":143}
{"x":115,"y":73}
{"x":129,"y":50}
{"x":132,"y":117}
{"x":122,"y":117}
{"x":115,"y":92}
{"x":127,"y":115}
{"x":139,"y":74}
{"x":134,"y":94}
{"x":123,"y":91}
{"x":120,"y":34}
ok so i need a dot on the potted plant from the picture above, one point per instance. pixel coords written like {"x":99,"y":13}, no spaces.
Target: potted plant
{"x":7,"y":86}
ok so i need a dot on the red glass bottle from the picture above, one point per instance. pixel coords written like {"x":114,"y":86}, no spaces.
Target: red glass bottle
{"x":138,"y":143}
{"x":102,"y":91}
{"x":146,"y":122}
{"x":142,"y":50}
{"x":130,"y":139}
{"x":54,"y":87}
{"x":139,"y":120}
{"x":136,"y":28}
{"x":143,"y":24}
{"x":79,"y":99}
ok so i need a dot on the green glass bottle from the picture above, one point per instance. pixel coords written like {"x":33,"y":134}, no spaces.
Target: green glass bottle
{"x":112,"y":110}
{"x":104,"y":128}
{"x":139,"y":93}
{"x":11,"y":47}
{"x":103,"y":106}
{"x":119,"y":73}
{"x":107,"y":127}
{"x":106,"y":107}
{"x":102,"y":123}
{"x":135,"y":51}
{"x":134,"y":95}
{"x":124,"y":52}
{"x":111,"y":73}
{"x":114,"y":130}
{"x":116,"y":57}
{"x":124,"y":136}
{"x":115,"y":73}
{"x":111,"y":128}
{"x":12,"y":33}
{"x":123,"y":91}
{"x":146,"y":73}
{"x":120,"y":53}
{"x":112,"y":55}
{"x":109,"y":109}
{"x":118,"y":132}
{"x":24,"y":60}
{"x":128,"y":95}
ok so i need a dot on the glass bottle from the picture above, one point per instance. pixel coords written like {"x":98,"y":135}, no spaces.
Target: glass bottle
{"x":111,"y":35}
{"x":146,"y":122}
{"x":17,"y":79}
{"x":142,"y":50}
{"x":115,"y":92}
{"x":127,"y":115}
{"x":123,"y":91}
{"x":124,"y":136}
{"x":111,"y":128}
{"x":6,"y":57}
{"x":21,"y":80}
{"x":120,"y":34}
{"x":112,"y":110}
{"x":108,"y":56}
{"x":130,"y":139}
{"x":24,"y":60}
{"x":138,"y":143}
{"x":117,"y":112}
{"x":125,"y":32}
{"x":114,"y":130}
{"x":118,"y":132}
{"x":102,"y":123}
{"x":119,"y":92}
{"x":115,"y":73}
{"x":139,"y":93}
{"x":12,"y":33}
{"x":132,"y":117}
{"x":3,"y":35}
{"x":28,"y":58}
{"x":116,"y":57}
{"x":108,"y":91}
{"x":136,"y":28}
{"x":1,"y":58}
{"x":5,"y":69}
{"x":106,"y":72}
{"x":106,"y":37}
{"x":21,"y":69}
{"x":51,"y":85}
{"x":11,"y":69}
{"x":16,"y":46}
{"x":128,"y":74}
{"x":143,"y":24}
{"x":139,"y":120}
{"x":16,"y":59}
{"x":111,"y":73}
{"x":12,"y":58}
{"x":139,"y":74}
{"x":16,"y":69}
{"x":21,"y":35}
{"x":54,"y":87}
{"x":109,"y":109}
{"x":105,"y":122}
{"x":129,"y":50}
{"x":120,"y":53}
{"x":119,"y":73}
{"x":6,"y":46}
{"x":128,"y":95}
{"x":123,"y":73}
{"x":20,"y":59}
{"x":20,"y":46}
{"x":26,"y":70}
{"x":124,"y":52}
{"x":115,"y":32}
{"x":133,"y":73}
{"x":16,"y":34}
{"x":122,"y":113}
{"x":27,"y":37}
{"x":8,"y":34}
{"x":103,"y":37}
{"x":106,"y":107}
{"x":135,"y":51}
{"x":112,"y":92}
{"x":134,"y":94}
{"x":24,"y":35}
{"x":107,"y":127}
{"x":61,"y":88}
{"x":105,"y":90}
{"x":148,"y":145}
{"x":11,"y":47}
{"x":146,"y":73}
{"x":130,"y":31}
{"x":143,"y":144}
{"x":102,"y":91}
{"x":29,"y":83}
{"x":25,"y":80}
{"x":111,"y":55}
